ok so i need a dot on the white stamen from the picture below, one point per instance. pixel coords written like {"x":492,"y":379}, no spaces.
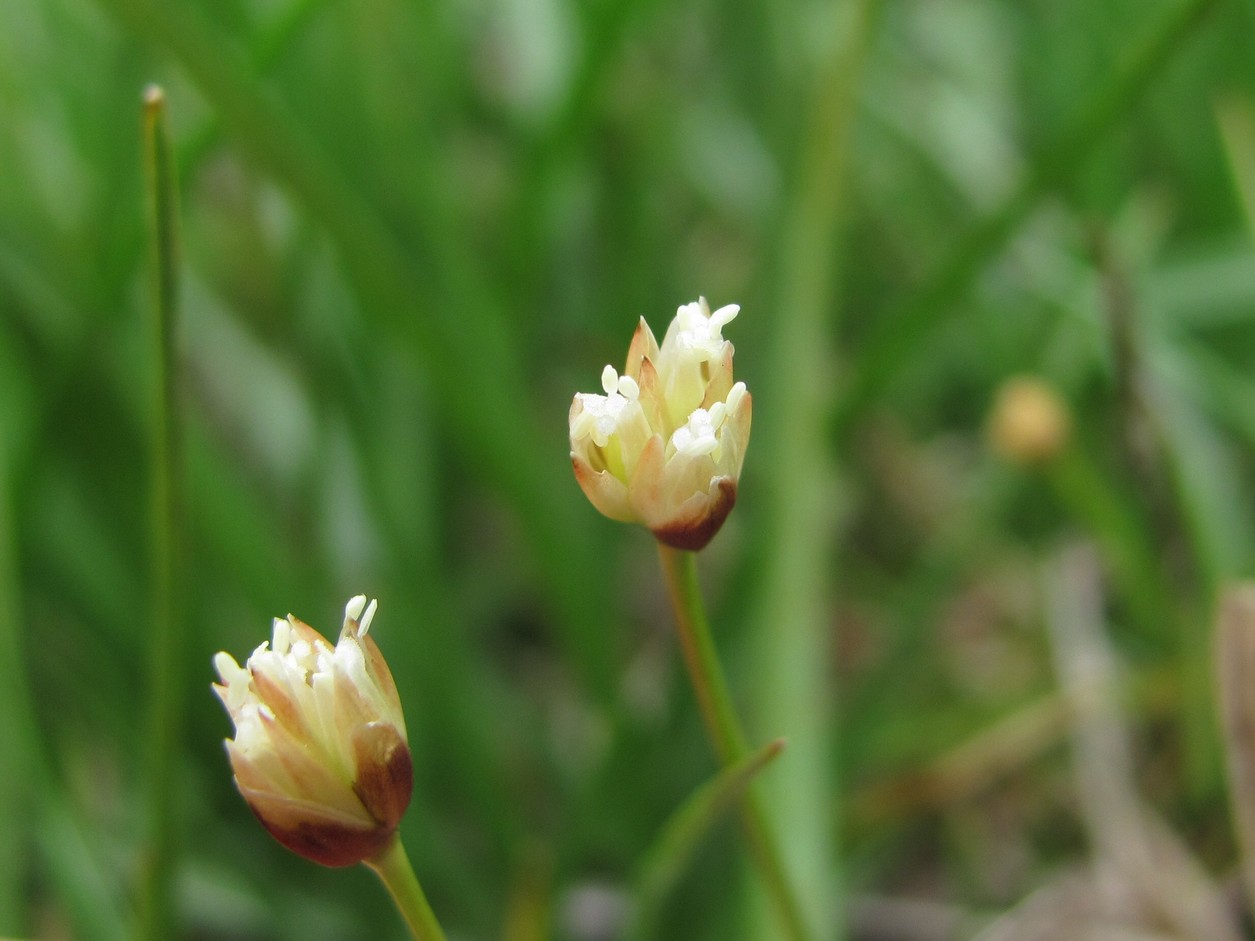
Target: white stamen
{"x":368,"y":616}
{"x":353,"y":610}
{"x":697,"y":436}
{"x":600,"y":416}
{"x":225,"y":666}
{"x":282,"y":636}
{"x":609,"y":380}
{"x":702,"y":331}
{"x":724,"y":315}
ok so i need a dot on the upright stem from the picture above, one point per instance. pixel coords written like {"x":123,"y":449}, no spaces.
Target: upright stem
{"x":394,"y":869}
{"x":17,"y":727}
{"x":166,"y":706}
{"x":724,"y":728}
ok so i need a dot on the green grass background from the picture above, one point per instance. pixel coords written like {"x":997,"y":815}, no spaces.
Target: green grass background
{"x":410,"y":231}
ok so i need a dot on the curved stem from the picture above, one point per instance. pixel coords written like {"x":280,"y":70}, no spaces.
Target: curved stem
{"x":394,"y":869}
{"x":724,"y":728}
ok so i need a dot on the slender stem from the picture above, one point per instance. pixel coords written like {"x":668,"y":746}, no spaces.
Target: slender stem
{"x":684,"y":831}
{"x":445,"y":320}
{"x":17,"y":727}
{"x":166,"y":707}
{"x":724,"y":728}
{"x":394,"y":869}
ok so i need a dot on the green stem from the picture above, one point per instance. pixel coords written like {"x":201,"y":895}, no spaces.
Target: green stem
{"x":394,"y":869}
{"x":684,"y":831}
{"x":724,"y":728}
{"x":442,"y":318}
{"x":166,"y":708}
{"x":17,"y":727}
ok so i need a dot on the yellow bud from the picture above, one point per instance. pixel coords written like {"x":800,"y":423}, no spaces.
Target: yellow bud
{"x":1029,"y":422}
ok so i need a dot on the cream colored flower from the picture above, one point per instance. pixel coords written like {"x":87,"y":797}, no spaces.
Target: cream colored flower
{"x":664,"y":445}
{"x":320,"y":752}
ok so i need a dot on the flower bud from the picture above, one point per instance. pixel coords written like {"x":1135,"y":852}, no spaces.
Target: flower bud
{"x":664,"y":445}
{"x":320,"y":752}
{"x":1029,"y":422}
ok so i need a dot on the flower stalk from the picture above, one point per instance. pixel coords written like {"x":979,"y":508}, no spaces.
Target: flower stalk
{"x":393,"y":867}
{"x":166,"y":711}
{"x":724,"y":728}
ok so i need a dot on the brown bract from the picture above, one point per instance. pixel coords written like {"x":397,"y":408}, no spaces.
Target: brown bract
{"x":694,"y":532}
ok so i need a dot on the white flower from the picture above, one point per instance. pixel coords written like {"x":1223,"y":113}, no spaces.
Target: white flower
{"x":664,"y":445}
{"x":320,"y":752}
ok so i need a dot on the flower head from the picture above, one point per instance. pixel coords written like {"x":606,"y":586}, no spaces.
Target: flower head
{"x":665,"y":443}
{"x":1029,"y":423}
{"x":320,"y":752}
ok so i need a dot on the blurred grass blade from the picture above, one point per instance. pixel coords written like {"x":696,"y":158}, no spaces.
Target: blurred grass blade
{"x":528,"y":914}
{"x":264,"y":53}
{"x":664,"y":864}
{"x":83,"y":883}
{"x":1235,"y":683}
{"x":902,"y":328}
{"x":165,"y":719}
{"x":1236,"y":117}
{"x":33,"y":813}
{"x":793,"y":692}
{"x":1118,"y":525}
{"x":438,"y":314}
{"x":17,"y":728}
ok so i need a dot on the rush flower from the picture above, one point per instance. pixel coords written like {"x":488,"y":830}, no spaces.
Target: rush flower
{"x":320,"y":751}
{"x":664,"y":445}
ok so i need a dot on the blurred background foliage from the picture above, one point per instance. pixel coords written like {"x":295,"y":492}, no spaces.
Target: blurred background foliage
{"x":411,"y":231}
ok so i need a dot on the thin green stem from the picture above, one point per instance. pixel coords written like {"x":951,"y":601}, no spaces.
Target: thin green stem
{"x":684,"y":831}
{"x":394,"y":869}
{"x":440,"y":316}
{"x":17,"y":727}
{"x":724,"y":728}
{"x":166,"y":713}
